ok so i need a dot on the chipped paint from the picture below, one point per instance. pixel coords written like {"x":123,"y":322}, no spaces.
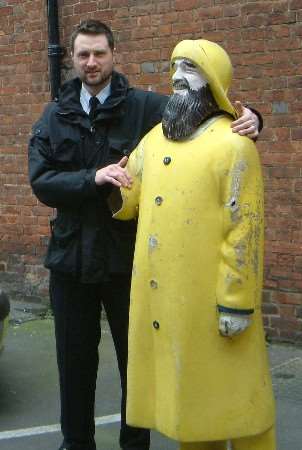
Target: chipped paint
{"x":152,"y":243}
{"x":257,"y":226}
{"x":230,"y":279}
{"x":240,"y":250}
{"x":153,"y":284}
{"x":233,"y":203}
{"x":138,"y":169}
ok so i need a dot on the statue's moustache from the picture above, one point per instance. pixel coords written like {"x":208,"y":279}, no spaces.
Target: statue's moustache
{"x":181,"y":84}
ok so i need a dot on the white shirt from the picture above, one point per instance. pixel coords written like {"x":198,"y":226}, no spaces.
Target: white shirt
{"x":85,"y":96}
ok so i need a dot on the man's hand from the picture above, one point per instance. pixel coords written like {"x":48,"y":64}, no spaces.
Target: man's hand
{"x":233,"y":324}
{"x":247,"y":124}
{"x":115,"y":174}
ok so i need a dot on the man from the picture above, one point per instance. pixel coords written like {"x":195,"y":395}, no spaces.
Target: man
{"x":197,"y":368}
{"x":75,"y":155}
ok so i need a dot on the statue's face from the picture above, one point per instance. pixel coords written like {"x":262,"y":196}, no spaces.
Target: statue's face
{"x":192,"y":101}
{"x":186,"y":76}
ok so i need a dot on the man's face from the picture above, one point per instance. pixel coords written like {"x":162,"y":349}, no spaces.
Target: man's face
{"x":186,"y":76}
{"x":93,"y":61}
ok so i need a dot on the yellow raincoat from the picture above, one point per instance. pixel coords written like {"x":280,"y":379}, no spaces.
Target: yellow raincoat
{"x":198,"y":251}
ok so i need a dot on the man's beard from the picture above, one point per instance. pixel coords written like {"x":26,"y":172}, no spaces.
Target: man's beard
{"x":100,"y":80}
{"x":184,"y":113}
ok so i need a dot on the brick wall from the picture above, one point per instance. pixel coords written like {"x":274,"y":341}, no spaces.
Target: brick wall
{"x":264,"y":41}
{"x":23,"y":90}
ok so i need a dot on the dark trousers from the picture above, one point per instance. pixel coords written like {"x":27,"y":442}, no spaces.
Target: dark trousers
{"x":77,"y":312}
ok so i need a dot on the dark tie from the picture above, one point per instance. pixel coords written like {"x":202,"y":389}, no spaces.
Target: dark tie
{"x":93,"y":103}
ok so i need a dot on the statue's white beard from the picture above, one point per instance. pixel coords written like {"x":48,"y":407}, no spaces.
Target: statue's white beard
{"x":184,"y":113}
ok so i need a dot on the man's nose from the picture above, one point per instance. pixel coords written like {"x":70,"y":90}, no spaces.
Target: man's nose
{"x":91,"y":60}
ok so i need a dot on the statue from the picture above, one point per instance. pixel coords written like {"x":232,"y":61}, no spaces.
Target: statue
{"x":198,"y":369}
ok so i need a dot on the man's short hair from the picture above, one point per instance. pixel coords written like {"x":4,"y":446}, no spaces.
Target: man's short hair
{"x":92,"y":27}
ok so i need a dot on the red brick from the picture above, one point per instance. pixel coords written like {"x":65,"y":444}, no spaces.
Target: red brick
{"x":6,"y":11}
{"x":286,"y":17}
{"x":141,"y":10}
{"x":139,"y":33}
{"x":131,"y":69}
{"x":210,"y":13}
{"x":118,"y":3}
{"x":296,"y":133}
{"x":289,"y":298}
{"x":147,"y":56}
{"x":295,"y":4}
{"x":82,"y":8}
{"x":180,"y":5}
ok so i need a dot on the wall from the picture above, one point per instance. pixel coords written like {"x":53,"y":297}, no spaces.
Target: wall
{"x":23,"y":90}
{"x":264,"y":42}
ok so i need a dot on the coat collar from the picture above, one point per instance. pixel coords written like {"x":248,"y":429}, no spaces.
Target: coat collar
{"x":69,"y":98}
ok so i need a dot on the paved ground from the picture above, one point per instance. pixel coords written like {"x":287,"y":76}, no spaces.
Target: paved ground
{"x":29,"y":389}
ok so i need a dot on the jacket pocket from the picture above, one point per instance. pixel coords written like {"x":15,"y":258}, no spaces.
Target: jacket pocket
{"x":67,"y":154}
{"x":63,"y":250}
{"x":117,"y":149}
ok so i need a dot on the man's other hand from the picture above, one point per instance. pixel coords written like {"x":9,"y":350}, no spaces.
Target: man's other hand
{"x":115,"y":174}
{"x":248,"y":122}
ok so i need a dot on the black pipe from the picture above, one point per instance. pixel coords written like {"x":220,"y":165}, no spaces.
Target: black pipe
{"x":4,"y":305}
{"x":55,"y":51}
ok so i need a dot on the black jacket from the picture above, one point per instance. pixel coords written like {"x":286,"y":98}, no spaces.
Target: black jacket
{"x":65,"y":151}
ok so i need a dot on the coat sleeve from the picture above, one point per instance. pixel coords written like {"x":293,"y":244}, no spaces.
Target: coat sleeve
{"x":240,"y":270}
{"x":54,"y":187}
{"x":131,"y":197}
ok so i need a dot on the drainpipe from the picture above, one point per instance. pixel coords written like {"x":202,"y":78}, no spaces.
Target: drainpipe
{"x":55,"y":51}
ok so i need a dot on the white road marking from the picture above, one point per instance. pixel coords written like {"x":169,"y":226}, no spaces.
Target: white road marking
{"x":286,"y":363}
{"x":34,"y":431}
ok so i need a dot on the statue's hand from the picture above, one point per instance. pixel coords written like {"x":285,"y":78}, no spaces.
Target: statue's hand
{"x":233,"y":324}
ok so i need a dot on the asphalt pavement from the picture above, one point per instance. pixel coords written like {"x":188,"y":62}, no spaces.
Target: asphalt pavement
{"x":29,"y":393}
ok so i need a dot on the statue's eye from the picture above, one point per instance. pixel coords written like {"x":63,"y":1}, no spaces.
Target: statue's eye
{"x":190,"y":65}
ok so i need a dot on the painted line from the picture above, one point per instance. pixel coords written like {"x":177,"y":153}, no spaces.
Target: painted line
{"x":286,"y":363}
{"x":34,"y":431}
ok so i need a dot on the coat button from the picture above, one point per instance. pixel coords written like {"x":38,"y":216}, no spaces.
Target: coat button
{"x":156,"y":325}
{"x":158,"y":200}
{"x":153,"y":284}
{"x":167,"y":160}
